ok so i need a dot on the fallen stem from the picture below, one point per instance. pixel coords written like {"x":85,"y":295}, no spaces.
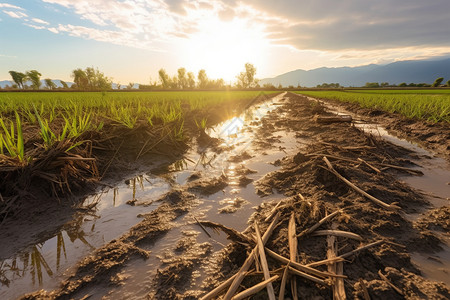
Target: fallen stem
{"x":341,"y":233}
{"x":323,"y":220}
{"x":254,"y":289}
{"x":248,"y":262}
{"x":357,"y":189}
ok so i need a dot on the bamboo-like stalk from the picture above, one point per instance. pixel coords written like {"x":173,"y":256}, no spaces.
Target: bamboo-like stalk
{"x":323,"y":220}
{"x":272,"y":212}
{"x":369,"y":165}
{"x":345,"y":255}
{"x":248,"y":262}
{"x":357,"y":189}
{"x":382,"y":276}
{"x":216,"y":291}
{"x":338,"y":283}
{"x":325,"y":262}
{"x":263,"y":260}
{"x":307,"y":276}
{"x":254,"y":289}
{"x":301,"y":267}
{"x":355,"y":162}
{"x":340,"y":233}
{"x":292,"y":239}
{"x":283,"y":282}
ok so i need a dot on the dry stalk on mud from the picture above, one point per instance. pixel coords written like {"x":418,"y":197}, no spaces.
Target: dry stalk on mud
{"x":256,"y":288}
{"x":264,"y":264}
{"x":323,"y":220}
{"x":292,"y":239}
{"x":392,"y":206}
{"x":399,"y":291}
{"x":231,"y":233}
{"x":248,"y":262}
{"x":336,"y":267}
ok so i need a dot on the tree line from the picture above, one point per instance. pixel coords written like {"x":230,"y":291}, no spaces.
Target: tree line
{"x":94,"y":79}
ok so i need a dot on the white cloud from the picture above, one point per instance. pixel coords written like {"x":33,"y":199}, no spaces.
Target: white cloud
{"x":323,"y":25}
{"x":16,"y":15}
{"x":53,"y":29}
{"x":36,"y":20}
{"x":35,"y":26}
{"x":7,"y":5}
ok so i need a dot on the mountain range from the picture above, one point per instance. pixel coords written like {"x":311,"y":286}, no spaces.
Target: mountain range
{"x":5,"y":83}
{"x":409,"y":71}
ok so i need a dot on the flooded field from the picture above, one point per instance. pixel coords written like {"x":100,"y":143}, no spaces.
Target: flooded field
{"x":142,"y":237}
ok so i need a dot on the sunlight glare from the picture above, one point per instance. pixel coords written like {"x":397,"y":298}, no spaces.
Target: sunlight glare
{"x":223,"y":48}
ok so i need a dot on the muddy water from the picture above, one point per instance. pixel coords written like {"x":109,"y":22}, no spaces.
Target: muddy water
{"x":434,"y":185}
{"x":44,"y":265}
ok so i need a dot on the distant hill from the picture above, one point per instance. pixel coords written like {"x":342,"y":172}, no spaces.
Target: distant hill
{"x":415,"y":71}
{"x":4,"y":83}
{"x":56,"y":81}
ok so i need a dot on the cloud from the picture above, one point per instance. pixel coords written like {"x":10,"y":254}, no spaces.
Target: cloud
{"x":53,"y":29}
{"x":357,"y":24}
{"x":36,"y":20}
{"x":35,"y":26}
{"x":16,"y":15}
{"x":323,"y":25}
{"x":7,"y":5}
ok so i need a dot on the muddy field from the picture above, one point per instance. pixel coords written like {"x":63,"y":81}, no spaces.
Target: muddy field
{"x":284,"y":167}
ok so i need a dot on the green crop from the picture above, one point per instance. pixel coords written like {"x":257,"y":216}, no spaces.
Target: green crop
{"x":67,"y":115}
{"x":428,"y":105}
{"x":13,"y":143}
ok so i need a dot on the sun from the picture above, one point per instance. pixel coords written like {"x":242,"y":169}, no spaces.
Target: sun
{"x":223,"y":48}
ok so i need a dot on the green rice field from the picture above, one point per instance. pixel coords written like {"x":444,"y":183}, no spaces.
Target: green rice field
{"x":60,"y":115}
{"x":428,"y":104}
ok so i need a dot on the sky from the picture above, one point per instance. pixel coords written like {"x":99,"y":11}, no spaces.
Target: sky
{"x":130,"y":40}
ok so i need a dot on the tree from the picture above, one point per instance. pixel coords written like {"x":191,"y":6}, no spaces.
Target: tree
{"x":191,"y":80}
{"x":64,"y":84}
{"x":403,"y":84}
{"x":18,"y":78}
{"x":372,"y":85}
{"x":202,"y":79}
{"x":50,"y":84}
{"x":182,"y":80}
{"x":130,"y":85}
{"x":448,"y":83}
{"x":247,"y":79}
{"x":437,"y":82}
{"x":80,"y":79}
{"x":35,"y":78}
{"x":173,"y":83}
{"x":91,"y":78}
{"x":164,"y":78}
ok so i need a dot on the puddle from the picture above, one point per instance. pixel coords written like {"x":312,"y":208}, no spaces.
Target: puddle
{"x":236,"y":195}
{"x":435,"y":266}
{"x":43,"y":265}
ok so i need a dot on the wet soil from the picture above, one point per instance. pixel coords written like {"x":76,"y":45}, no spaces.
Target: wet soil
{"x":430,"y":135}
{"x":322,"y":192}
{"x":310,"y":192}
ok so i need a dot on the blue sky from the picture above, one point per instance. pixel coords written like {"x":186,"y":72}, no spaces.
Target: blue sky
{"x":130,"y":40}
